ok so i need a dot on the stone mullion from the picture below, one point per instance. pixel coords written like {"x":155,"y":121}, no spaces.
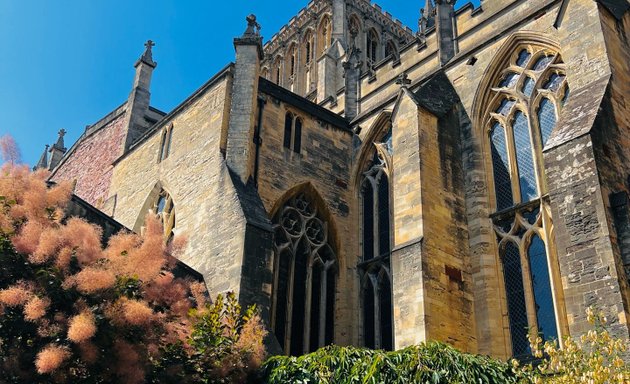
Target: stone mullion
{"x":274,"y":297}
{"x":307,"y":306}
{"x":374,"y":185}
{"x":511,"y":150}
{"x":377,"y":313}
{"x":322,"y":306}
{"x":528,"y":286}
{"x":554,"y":275}
{"x":289,"y":313}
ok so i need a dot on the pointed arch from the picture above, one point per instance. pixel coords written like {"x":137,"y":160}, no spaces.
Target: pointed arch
{"x":309,"y":190}
{"x":161,"y":202}
{"x":306,"y":268}
{"x":324,"y":32}
{"x":514,"y":112}
{"x":377,"y":130}
{"x":481,"y":103}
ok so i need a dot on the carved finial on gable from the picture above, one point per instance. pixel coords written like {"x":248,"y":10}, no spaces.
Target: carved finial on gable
{"x":253,"y":28}
{"x":403,"y":80}
{"x":43,"y":160}
{"x":60,"y":143}
{"x":426,"y":20}
{"x":147,"y":55}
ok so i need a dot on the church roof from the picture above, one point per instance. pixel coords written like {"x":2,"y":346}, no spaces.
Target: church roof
{"x":617,"y":7}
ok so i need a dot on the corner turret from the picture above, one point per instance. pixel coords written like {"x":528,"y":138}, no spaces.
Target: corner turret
{"x":140,"y":97}
{"x":57,"y":151}
{"x":240,"y":146}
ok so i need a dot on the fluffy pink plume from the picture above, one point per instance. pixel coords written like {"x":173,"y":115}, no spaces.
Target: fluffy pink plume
{"x":148,"y":260}
{"x":137,"y":312}
{"x":48,"y":246}
{"x":36,"y":308}
{"x":15,"y":296}
{"x":64,"y":256}
{"x":51,"y":358}
{"x":9,"y":150}
{"x":91,"y":280}
{"x":85,"y":238}
{"x":27,"y":241}
{"x":81,"y":327}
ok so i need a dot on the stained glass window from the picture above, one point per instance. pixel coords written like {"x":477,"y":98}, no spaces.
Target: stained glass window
{"x":543,"y":297}
{"x":501,"y":166}
{"x":521,"y":122}
{"x":546,"y":119}
{"x":288,"y":128}
{"x":377,"y":291}
{"x":509,"y":80}
{"x":543,"y":62}
{"x":515,"y":293}
{"x":303,"y":309}
{"x":524,"y":157}
{"x":528,"y":86}
{"x":523,"y":58}
{"x":297,"y":140}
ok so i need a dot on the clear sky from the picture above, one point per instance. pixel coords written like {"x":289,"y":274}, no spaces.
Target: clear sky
{"x":67,"y":63}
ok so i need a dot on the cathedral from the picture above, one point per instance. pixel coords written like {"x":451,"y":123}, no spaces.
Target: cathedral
{"x":364,"y":183}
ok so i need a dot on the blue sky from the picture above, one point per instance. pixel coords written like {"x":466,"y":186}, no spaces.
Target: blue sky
{"x":67,"y":63}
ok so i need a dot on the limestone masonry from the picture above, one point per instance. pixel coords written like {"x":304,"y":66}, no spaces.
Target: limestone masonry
{"x":367,"y":184}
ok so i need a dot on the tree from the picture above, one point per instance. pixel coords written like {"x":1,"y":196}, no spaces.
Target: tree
{"x":594,"y":358}
{"x":73,"y":311}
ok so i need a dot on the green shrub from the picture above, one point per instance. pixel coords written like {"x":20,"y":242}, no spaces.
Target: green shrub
{"x":427,"y":363}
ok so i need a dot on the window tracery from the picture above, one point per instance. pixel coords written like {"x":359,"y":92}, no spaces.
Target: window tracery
{"x":293,"y":132}
{"x":164,"y":208}
{"x":372,"y":46}
{"x":376,"y":236}
{"x":525,"y":105}
{"x":305,"y":271}
{"x":325,"y":35}
{"x":165,"y":143}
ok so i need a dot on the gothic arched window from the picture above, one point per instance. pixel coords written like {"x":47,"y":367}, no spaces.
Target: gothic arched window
{"x":165,"y":209}
{"x":526,"y":100}
{"x":309,"y":53}
{"x":391,"y":50}
{"x":305,"y":272}
{"x":277,"y":71}
{"x":293,"y":132}
{"x":325,"y":35}
{"x":297,"y":136}
{"x":376,"y":245}
{"x":372,"y":46}
{"x":288,"y":129}
{"x":291,"y":66}
{"x":165,"y":143}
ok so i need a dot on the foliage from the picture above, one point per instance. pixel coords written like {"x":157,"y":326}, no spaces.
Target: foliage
{"x":73,"y":311}
{"x":226,"y":346}
{"x":426,"y":363}
{"x":594,"y":358}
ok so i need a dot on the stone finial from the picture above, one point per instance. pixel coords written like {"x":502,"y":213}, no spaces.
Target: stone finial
{"x":60,"y":143}
{"x":43,"y":160}
{"x":147,"y":55}
{"x":427,"y":19}
{"x":403,"y":80}
{"x":253,"y":28}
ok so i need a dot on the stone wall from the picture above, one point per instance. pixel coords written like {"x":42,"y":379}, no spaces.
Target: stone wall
{"x":89,"y":161}
{"x":323,"y":168}
{"x":207,"y":207}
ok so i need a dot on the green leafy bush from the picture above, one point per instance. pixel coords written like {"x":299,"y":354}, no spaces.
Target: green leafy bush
{"x":426,"y":363}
